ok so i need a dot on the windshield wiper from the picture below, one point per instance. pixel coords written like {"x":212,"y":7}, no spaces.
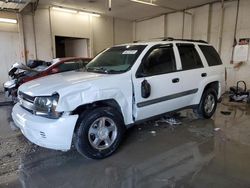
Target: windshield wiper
{"x":97,"y":69}
{"x":112,"y":71}
{"x":104,"y":70}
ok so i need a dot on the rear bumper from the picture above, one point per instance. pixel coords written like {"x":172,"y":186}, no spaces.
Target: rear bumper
{"x":49,"y":133}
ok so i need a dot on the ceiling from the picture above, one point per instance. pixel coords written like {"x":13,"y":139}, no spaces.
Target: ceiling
{"x":125,"y":9}
{"x":13,"y":5}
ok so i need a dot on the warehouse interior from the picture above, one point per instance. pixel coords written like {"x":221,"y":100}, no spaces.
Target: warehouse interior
{"x":197,"y":153}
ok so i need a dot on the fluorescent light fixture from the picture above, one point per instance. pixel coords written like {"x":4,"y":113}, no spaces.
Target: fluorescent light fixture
{"x":7,"y":20}
{"x":89,"y":14}
{"x":64,"y":10}
{"x":144,"y":2}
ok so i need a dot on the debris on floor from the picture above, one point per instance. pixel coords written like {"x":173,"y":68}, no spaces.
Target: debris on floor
{"x":216,"y":129}
{"x":153,"y":133}
{"x":205,"y":132}
{"x":172,"y":121}
{"x":226,"y":113}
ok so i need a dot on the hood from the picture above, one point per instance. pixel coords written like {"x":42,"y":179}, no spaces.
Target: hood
{"x":54,"y":83}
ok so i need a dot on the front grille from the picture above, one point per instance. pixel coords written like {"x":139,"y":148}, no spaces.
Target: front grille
{"x":26,"y":101}
{"x":26,"y":97}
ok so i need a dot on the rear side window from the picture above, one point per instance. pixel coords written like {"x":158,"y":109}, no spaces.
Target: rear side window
{"x":190,"y":58}
{"x":160,"y":60}
{"x":70,"y":65}
{"x":211,"y":55}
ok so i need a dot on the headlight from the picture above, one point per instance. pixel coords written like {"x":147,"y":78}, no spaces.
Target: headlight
{"x":46,"y":106}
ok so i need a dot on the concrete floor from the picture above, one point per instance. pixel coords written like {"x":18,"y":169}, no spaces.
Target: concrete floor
{"x":194,"y":154}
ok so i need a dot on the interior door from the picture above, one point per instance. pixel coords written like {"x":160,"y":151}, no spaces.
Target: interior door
{"x":156,"y":83}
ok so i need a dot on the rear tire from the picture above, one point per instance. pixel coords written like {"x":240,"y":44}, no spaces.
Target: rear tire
{"x":99,"y":132}
{"x":208,"y":103}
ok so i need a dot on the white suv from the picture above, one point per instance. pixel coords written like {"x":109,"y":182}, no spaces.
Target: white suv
{"x":120,"y":87}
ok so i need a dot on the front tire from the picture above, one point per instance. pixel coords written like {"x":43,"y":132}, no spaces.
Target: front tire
{"x":99,"y":132}
{"x":208,"y":103}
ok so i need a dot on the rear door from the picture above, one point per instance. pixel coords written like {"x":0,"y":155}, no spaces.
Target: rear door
{"x":215,"y":69}
{"x":192,"y":72}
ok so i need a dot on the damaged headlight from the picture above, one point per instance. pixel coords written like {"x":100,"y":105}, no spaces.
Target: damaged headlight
{"x":46,"y":106}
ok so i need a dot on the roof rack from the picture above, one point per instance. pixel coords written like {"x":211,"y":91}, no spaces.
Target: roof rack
{"x":187,"y":40}
{"x":173,"y":39}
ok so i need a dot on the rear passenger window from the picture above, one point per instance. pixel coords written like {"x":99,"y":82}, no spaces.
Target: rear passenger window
{"x":190,"y":58}
{"x":160,"y":60}
{"x":70,"y":65}
{"x":211,"y":55}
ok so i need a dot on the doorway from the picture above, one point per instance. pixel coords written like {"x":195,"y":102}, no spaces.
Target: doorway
{"x":71,"y":47}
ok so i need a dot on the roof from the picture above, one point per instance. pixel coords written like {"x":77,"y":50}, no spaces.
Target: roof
{"x":166,"y":41}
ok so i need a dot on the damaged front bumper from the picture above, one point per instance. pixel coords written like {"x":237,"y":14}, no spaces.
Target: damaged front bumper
{"x":49,"y":133}
{"x":10,"y":89}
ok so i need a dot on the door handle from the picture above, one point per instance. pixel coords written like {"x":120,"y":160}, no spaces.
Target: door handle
{"x":175,"y":80}
{"x":204,"y":74}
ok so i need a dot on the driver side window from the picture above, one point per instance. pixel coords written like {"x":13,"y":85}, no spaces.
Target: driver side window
{"x":160,"y":60}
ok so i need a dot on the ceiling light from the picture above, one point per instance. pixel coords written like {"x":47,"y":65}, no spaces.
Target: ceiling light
{"x":144,"y":2}
{"x":7,"y":20}
{"x":64,"y":10}
{"x":89,"y":14}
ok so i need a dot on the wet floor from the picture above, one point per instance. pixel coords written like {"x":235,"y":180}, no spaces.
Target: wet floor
{"x":197,"y":153}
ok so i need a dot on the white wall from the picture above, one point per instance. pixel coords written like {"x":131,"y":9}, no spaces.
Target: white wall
{"x":10,"y":46}
{"x":103,"y":33}
{"x":200,"y":22}
{"x":188,"y":26}
{"x":243,"y":31}
{"x":205,"y":23}
{"x":174,"y":25}
{"x":70,"y":24}
{"x":150,"y":29}
{"x":44,"y":44}
{"x":29,"y":37}
{"x":123,"y":31}
{"x":9,"y":53}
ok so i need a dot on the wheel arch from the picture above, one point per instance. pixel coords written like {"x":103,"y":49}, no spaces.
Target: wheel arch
{"x":215,"y":85}
{"x":102,"y":103}
{"x":210,"y":84}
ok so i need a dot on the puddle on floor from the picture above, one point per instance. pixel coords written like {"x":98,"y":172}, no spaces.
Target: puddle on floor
{"x":196,"y":153}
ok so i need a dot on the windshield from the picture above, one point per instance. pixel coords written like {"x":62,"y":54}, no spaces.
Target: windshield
{"x":116,"y":59}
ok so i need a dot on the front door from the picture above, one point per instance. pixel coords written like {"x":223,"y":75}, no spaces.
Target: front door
{"x":157,"y":83}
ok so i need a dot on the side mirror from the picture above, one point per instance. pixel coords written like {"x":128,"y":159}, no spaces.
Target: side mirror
{"x":145,"y":89}
{"x":54,"y":70}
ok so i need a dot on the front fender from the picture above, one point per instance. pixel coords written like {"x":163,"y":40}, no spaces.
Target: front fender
{"x":73,"y":100}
